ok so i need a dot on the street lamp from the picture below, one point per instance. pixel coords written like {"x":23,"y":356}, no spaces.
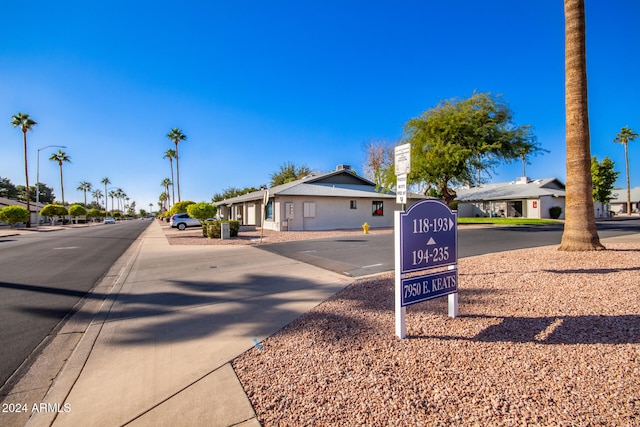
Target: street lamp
{"x":38,"y":182}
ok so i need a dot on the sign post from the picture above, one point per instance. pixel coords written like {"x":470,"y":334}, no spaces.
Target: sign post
{"x":426,"y":257}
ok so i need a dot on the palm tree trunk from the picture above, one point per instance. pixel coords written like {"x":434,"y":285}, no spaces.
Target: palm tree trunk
{"x":177,"y":172}
{"x":61,"y":184}
{"x":26,"y":174}
{"x":173,"y":187}
{"x":626,"y":158}
{"x":580,"y":233}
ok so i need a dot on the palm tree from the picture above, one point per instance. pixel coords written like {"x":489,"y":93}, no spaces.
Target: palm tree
{"x":176,"y":135}
{"x":25,"y":123}
{"x":106,"y":182}
{"x":624,"y":137}
{"x":97,"y":194}
{"x":580,"y":233}
{"x":84,"y":186}
{"x":111,"y":194}
{"x":60,"y":157}
{"x":171,"y":154}
{"x":166,"y":183}
{"x":162,"y":199}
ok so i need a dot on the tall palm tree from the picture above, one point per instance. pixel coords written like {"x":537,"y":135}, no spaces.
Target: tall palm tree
{"x":171,"y":154}
{"x":580,"y":233}
{"x":106,"y":182}
{"x":25,"y":123}
{"x":166,"y":183}
{"x":162,"y":199}
{"x":97,"y":194}
{"x":624,"y":137}
{"x":111,"y":194}
{"x":84,"y":186}
{"x":60,"y":157}
{"x":176,"y":135}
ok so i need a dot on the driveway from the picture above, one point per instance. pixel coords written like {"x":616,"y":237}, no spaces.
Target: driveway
{"x":365,"y":254}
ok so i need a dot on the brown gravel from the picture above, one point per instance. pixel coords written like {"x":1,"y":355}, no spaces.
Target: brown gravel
{"x":543,"y":338}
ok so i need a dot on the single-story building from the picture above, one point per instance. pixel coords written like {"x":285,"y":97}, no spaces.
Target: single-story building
{"x":335,"y":200}
{"x":619,"y":202}
{"x":12,"y":202}
{"x":520,"y":198}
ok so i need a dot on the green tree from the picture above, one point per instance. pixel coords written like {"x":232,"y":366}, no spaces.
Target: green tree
{"x":289,"y":172}
{"x":7,"y":189}
{"x":14,"y":215}
{"x":580,"y":233}
{"x":54,"y":211}
{"x":60,"y":157}
{"x":231,"y":192}
{"x":77,"y":210}
{"x":171,"y":154}
{"x":46,"y":193}
{"x":604,"y":178}
{"x":93,"y":213}
{"x":201,"y":211}
{"x":625,"y":136}
{"x":25,"y":123}
{"x":180,"y":207}
{"x":458,"y":139}
{"x":176,"y":136}
{"x":85,"y":186}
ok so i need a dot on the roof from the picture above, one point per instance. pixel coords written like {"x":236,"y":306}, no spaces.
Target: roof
{"x":520,"y":189}
{"x":620,"y":195}
{"x":339,"y":183}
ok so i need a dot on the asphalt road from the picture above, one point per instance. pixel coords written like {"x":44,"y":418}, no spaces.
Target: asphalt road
{"x":42,"y":277}
{"x":373,"y":253}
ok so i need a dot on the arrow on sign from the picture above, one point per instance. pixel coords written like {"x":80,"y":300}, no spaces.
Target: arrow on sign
{"x":450,"y":224}
{"x":431,"y":241}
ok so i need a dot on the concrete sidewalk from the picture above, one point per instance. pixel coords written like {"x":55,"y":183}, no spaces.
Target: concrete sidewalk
{"x":158,"y":350}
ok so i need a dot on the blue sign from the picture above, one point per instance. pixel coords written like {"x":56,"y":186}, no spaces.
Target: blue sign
{"x":434,"y":285}
{"x":428,"y":236}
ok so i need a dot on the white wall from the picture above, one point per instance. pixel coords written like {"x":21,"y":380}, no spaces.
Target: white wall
{"x":330,"y":213}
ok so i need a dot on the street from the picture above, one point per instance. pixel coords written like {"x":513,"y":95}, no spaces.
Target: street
{"x":43,"y":275}
{"x":373,"y":253}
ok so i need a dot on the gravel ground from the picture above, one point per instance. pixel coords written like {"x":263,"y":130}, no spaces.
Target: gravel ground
{"x":543,"y":338}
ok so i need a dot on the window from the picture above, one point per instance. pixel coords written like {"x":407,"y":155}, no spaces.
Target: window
{"x":352,"y":204}
{"x":268,"y":210}
{"x":377,"y":208}
{"x":309,"y":209}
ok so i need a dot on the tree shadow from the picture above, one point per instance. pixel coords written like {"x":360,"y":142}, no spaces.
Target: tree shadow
{"x":589,"y":329}
{"x":257,"y":305}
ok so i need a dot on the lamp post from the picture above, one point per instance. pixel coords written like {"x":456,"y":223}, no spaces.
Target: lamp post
{"x":38,"y":182}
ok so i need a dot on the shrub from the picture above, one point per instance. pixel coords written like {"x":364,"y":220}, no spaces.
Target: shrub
{"x":201,"y":211}
{"x":180,"y":207}
{"x":14,"y":214}
{"x":214,"y":228}
{"x":555,"y":212}
{"x":53,"y":211}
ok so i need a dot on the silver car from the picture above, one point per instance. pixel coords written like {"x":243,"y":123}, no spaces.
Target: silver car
{"x":182,"y":221}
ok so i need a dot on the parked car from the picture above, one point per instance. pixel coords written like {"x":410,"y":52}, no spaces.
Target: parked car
{"x":182,"y":221}
{"x":109,"y":221}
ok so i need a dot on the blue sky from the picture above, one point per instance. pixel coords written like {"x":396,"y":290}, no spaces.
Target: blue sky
{"x":255,"y":84}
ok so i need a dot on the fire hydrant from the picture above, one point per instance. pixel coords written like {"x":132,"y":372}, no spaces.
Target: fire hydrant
{"x":365,"y":228}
